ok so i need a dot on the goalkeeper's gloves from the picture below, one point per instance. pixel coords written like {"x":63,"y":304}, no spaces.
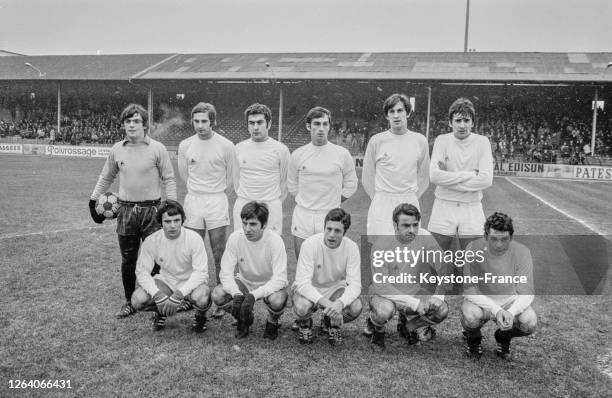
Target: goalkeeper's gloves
{"x":98,"y":218}
{"x":174,"y":302}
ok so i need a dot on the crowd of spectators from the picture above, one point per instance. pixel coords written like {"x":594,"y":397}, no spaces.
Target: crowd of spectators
{"x":77,"y":127}
{"x":515,"y":132}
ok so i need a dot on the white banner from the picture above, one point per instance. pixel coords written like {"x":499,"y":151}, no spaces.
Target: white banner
{"x":77,"y":151}
{"x":11,"y":148}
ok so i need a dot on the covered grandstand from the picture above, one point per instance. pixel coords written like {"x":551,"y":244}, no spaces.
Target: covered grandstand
{"x":536,"y":105}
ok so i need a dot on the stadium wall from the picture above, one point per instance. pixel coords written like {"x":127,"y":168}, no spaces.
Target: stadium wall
{"x":514,"y":169}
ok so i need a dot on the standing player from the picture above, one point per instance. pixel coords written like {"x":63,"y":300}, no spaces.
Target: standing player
{"x":262,"y":169}
{"x":461,"y":167}
{"x":414,"y":298}
{"x":321,"y":175}
{"x":206,"y":162}
{"x":508,"y":304}
{"x":328,"y":276}
{"x":260,"y":258}
{"x":395,"y":166}
{"x":143,"y":166}
{"x":183,"y":275}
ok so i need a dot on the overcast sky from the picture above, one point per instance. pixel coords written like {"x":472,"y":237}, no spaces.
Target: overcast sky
{"x":36,"y":27}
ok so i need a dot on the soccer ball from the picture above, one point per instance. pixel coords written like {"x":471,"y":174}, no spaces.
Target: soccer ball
{"x":107,"y":205}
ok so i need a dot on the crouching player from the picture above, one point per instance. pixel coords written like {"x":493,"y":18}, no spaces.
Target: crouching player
{"x":413,"y":299}
{"x":183,"y":274}
{"x":328,"y":276}
{"x":509,"y":304}
{"x":261,"y":260}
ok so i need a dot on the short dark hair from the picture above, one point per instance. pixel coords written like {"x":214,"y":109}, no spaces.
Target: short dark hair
{"x":339,"y":215}
{"x":406,"y":209}
{"x":317,"y":112}
{"x":462,"y":106}
{"x":172,"y":208}
{"x":256,"y":210}
{"x":258,"y":109}
{"x":499,"y":222}
{"x":205,"y":107}
{"x":133,"y":109}
{"x":394,"y":99}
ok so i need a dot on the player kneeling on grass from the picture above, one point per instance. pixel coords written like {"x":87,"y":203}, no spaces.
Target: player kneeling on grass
{"x":413,"y":298}
{"x":261,"y":259}
{"x":328,"y":276}
{"x":509,"y":304}
{"x":183,"y":274}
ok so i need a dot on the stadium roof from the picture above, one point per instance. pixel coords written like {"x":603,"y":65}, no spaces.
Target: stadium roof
{"x":77,"y":67}
{"x":497,"y":67}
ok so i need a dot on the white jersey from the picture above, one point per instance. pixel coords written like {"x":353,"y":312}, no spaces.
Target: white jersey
{"x":262,"y":263}
{"x":207,"y":166}
{"x":262,"y":170}
{"x":396,"y":164}
{"x":319,"y":176}
{"x":459,"y":181}
{"x":183,"y":262}
{"x":320,"y":267}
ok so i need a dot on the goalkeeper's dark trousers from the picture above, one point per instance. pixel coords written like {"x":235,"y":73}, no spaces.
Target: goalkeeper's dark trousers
{"x":129,"y":246}
{"x":135,"y":221}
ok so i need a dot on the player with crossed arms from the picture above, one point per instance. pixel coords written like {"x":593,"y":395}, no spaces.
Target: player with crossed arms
{"x":461,"y":167}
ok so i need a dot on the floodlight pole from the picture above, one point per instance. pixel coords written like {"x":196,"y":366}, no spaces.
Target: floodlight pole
{"x":594,"y":129}
{"x":467,"y":24}
{"x":280,"y":101}
{"x":59,"y":108}
{"x":428,"y":111}
{"x":150,"y":108}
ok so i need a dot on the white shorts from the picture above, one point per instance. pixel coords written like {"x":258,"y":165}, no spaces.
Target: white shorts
{"x":306,"y":223}
{"x":275,"y":218}
{"x":450,"y":218}
{"x":327,"y":292}
{"x":401,"y":301}
{"x":380,"y":214}
{"x":208,"y":211}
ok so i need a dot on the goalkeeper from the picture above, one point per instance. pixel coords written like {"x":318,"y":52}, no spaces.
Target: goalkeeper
{"x":183,"y":275}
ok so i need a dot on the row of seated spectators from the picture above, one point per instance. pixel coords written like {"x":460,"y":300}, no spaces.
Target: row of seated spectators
{"x":514,"y":134}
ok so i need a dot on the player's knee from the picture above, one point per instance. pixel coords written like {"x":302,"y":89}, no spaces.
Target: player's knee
{"x":381,"y":309}
{"x":302,"y":307}
{"x":219,"y":296}
{"x":527,"y":321}
{"x":201,"y":296}
{"x":441,"y":314}
{"x":353,"y":311}
{"x":140,"y":298}
{"x":472,"y":316}
{"x":277,"y":300}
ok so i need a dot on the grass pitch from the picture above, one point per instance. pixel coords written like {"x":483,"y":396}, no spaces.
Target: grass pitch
{"x":61,"y":286}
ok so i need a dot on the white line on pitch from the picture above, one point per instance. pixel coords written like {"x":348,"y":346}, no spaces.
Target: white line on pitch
{"x":55,"y":231}
{"x":554,"y":207}
{"x":555,"y":179}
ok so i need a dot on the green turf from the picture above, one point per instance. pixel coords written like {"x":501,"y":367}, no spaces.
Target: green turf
{"x":61,"y":289}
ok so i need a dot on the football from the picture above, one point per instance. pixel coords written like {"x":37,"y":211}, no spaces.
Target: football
{"x":107,"y":205}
